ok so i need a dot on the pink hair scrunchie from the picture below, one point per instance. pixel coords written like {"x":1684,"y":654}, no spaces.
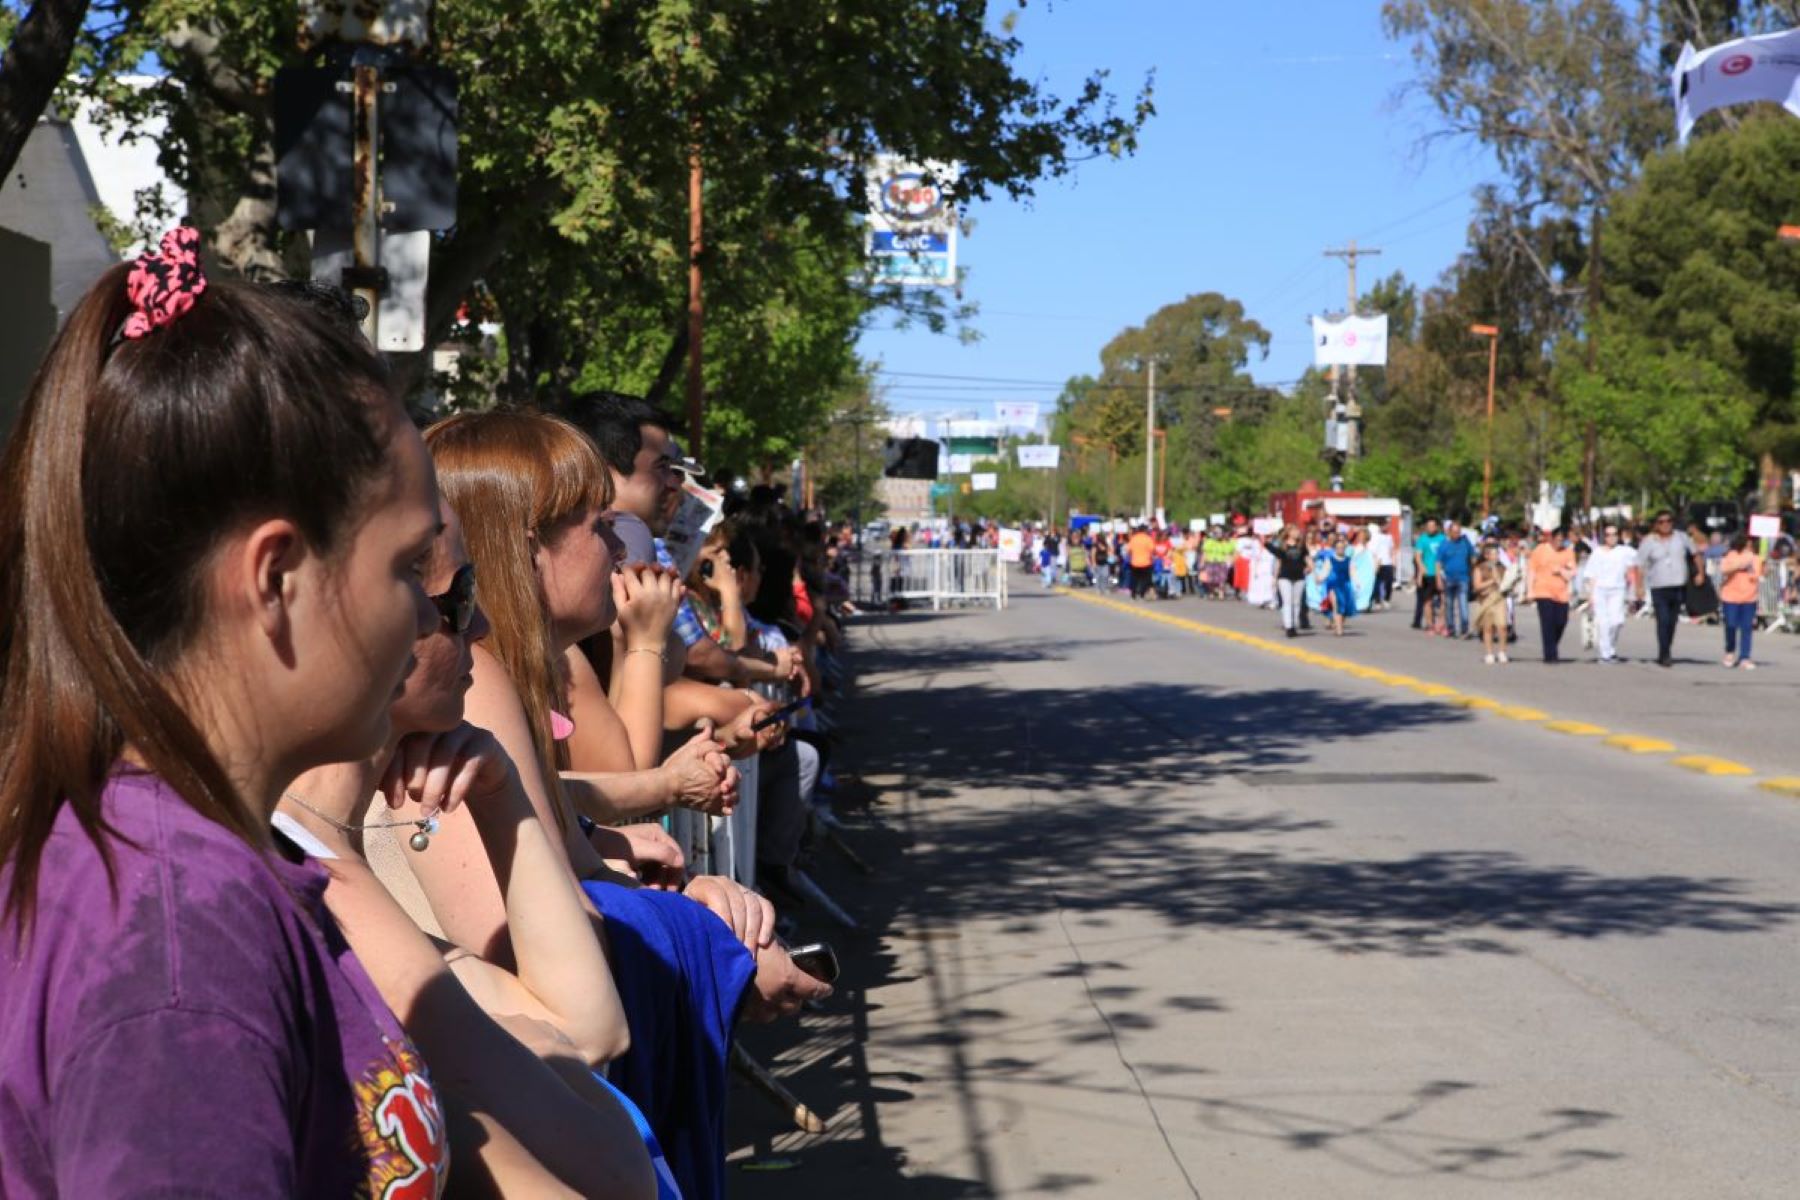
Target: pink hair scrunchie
{"x":165,"y":282}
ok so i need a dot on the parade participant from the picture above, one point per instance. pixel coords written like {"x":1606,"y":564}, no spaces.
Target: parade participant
{"x":1456,"y":554}
{"x":1381,"y":549}
{"x":1141,"y":552}
{"x":1664,"y":571}
{"x":1292,"y":564}
{"x":1333,"y":572}
{"x":1740,"y":575}
{"x":1548,"y":573}
{"x":1426,"y":612}
{"x":1611,"y":576}
{"x":1489,"y":615}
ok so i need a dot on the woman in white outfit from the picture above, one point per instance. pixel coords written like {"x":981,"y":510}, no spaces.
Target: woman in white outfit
{"x":1611,"y":573}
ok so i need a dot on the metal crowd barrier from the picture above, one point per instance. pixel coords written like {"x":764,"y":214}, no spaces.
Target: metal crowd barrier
{"x":946,"y":577}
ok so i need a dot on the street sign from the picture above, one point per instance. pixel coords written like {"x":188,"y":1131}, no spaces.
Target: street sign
{"x":314,"y":175}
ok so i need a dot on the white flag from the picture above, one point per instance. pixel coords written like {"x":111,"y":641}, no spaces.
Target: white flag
{"x":1766,"y":67}
{"x":1041,"y":457}
{"x":1016,"y":414}
{"x":1350,"y":342}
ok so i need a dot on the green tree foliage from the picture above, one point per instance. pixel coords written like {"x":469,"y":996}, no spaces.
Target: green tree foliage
{"x":1672,"y":423}
{"x":845,"y":454}
{"x":578,"y":122}
{"x":1707,"y":293}
{"x":1695,"y":263}
{"x":1203,"y":346}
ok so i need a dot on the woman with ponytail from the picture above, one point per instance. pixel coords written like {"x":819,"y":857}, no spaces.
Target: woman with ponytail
{"x":213,"y":516}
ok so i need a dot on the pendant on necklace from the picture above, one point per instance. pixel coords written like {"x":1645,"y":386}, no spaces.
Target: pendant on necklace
{"x":420,"y":840}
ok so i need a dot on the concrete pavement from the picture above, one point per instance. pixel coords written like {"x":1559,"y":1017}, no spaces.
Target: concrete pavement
{"x":1167,"y":914}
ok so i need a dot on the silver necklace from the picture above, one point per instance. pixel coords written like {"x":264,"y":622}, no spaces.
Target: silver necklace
{"x":420,"y":839}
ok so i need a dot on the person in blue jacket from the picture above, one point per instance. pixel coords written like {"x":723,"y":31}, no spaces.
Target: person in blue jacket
{"x":1332,"y":567}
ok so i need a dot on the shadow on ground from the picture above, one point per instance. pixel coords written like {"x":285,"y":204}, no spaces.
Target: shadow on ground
{"x":1091,"y":852}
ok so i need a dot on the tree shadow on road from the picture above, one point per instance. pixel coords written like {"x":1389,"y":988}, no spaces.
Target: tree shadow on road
{"x":1098,"y":847}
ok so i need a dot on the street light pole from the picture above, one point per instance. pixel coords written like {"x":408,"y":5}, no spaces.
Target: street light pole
{"x":1492,"y":334}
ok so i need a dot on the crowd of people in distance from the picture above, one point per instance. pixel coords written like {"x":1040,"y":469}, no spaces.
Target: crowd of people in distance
{"x":1468,"y":583}
{"x":333,"y":758}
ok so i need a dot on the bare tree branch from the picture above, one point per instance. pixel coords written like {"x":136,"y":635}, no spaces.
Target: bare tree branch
{"x":31,"y":68}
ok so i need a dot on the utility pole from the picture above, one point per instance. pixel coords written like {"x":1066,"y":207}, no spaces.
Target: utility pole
{"x":696,"y":309}
{"x":1150,"y":441}
{"x":1352,"y":412}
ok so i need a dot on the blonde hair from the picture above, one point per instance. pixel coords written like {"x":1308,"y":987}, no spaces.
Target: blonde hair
{"x":512,"y":476}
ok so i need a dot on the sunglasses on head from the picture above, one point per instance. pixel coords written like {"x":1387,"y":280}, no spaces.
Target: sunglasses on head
{"x":457,"y":604}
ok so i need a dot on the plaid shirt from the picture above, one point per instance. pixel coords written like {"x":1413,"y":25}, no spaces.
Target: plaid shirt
{"x":687,"y":625}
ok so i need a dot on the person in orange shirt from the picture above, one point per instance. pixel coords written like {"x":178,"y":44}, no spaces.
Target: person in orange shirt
{"x":1141,"y":553}
{"x":1547,"y":574}
{"x":1740,"y":577}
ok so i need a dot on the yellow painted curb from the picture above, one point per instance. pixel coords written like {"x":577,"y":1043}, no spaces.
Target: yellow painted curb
{"x":1639,"y":745}
{"x":1575,"y":728}
{"x":1706,"y":764}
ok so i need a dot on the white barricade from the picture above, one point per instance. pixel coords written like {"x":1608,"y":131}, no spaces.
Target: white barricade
{"x":947,"y":577}
{"x":722,"y":845}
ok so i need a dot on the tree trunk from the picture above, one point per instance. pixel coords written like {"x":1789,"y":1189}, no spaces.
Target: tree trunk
{"x":671,"y":366}
{"x":31,"y":68}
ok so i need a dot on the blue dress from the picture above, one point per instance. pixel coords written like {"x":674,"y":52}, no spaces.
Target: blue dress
{"x":1336,"y":583}
{"x":681,"y":977}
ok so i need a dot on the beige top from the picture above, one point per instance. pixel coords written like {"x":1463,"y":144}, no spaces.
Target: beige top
{"x":386,"y":850}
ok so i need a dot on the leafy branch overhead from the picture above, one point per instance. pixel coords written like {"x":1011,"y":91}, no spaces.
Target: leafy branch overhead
{"x":577,"y":123}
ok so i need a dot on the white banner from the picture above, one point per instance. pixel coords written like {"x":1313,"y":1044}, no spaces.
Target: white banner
{"x":1012,"y":543}
{"x":1350,"y":342}
{"x":1047,"y":457}
{"x":1016,"y":414}
{"x":911,"y":232}
{"x":1265,"y":526}
{"x":1736,"y":72}
{"x":986,"y":481}
{"x":961,"y":464}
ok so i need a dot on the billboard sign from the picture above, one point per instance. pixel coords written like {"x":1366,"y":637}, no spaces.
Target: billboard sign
{"x":911,"y":230}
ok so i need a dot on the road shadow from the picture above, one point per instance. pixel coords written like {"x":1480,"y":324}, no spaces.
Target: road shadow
{"x":1091,"y":852}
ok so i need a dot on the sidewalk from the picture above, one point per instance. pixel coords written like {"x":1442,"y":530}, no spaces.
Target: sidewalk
{"x":955,"y":969}
{"x":1697,"y":706}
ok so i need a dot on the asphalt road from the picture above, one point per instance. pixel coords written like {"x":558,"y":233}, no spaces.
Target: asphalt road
{"x":1168,"y":912}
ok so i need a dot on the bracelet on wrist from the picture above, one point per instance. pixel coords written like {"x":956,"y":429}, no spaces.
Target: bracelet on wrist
{"x":656,"y":650}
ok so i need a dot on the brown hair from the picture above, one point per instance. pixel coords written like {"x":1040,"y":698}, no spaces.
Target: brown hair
{"x":129,"y":463}
{"x":509,"y":474}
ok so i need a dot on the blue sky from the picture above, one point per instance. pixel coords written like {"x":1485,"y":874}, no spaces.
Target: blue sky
{"x":1279,"y":133}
